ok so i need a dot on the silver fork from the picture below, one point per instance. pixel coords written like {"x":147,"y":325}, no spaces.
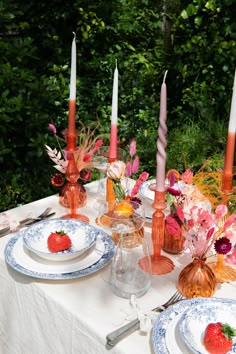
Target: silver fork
{"x":41,"y":216}
{"x":114,"y":337}
{"x":27,"y":222}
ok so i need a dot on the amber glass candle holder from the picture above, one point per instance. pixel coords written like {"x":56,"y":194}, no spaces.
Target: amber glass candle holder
{"x":72,"y":190}
{"x":160,"y":264}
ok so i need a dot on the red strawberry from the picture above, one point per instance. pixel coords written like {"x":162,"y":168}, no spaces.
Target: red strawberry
{"x":58,"y":241}
{"x":218,"y":338}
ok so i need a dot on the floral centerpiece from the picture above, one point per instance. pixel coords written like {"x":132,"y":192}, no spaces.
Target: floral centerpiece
{"x":127,"y":209}
{"x":204,"y":232}
{"x":87,"y":145}
{"x":179,"y":192}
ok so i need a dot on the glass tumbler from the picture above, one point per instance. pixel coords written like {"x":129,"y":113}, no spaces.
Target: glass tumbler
{"x":131,"y":267}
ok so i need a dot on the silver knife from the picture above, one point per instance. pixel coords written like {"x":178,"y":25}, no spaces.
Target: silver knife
{"x":114,"y":337}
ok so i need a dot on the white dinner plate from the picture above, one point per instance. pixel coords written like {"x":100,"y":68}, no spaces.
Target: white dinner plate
{"x":194,"y":321}
{"x":166,"y":337}
{"x":21,"y":259}
{"x":82,"y":236}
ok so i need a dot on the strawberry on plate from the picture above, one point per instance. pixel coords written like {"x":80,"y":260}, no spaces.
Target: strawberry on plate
{"x":218,"y":338}
{"x":58,"y":241}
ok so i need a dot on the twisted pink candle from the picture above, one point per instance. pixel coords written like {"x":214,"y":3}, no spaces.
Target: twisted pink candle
{"x":161,"y":142}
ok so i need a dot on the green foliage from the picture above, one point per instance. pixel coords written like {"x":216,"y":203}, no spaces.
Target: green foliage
{"x":195,"y":41}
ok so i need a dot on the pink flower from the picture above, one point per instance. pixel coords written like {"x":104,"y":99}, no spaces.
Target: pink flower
{"x":210,"y":233}
{"x":180,"y":213}
{"x":132,"y":150}
{"x":173,"y":191}
{"x":230,"y":221}
{"x":190,"y":224}
{"x":172,"y":226}
{"x":142,"y":178}
{"x":229,"y":234}
{"x":85,"y":175}
{"x":172,"y":178}
{"x":221,"y":211}
{"x":223,"y":245}
{"x":128,"y":169}
{"x":205,"y":219}
{"x":116,"y":170}
{"x":187,"y":176}
{"x":97,"y":146}
{"x":135,"y":165}
{"x":52,"y":128}
{"x":87,"y":158}
{"x":231,"y":258}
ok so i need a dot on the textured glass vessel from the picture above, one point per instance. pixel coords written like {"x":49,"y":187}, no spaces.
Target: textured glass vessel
{"x":197,"y":279}
{"x":173,"y":244}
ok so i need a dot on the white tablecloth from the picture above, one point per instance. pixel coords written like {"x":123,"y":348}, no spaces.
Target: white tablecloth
{"x":74,"y":316}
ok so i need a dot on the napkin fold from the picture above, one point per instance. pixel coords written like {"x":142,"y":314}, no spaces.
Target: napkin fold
{"x":145,"y":318}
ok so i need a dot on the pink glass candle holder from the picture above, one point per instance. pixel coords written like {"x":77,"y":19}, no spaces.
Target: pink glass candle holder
{"x":160,"y":264}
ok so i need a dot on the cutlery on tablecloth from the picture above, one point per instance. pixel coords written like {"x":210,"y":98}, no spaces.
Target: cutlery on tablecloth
{"x":114,"y":337}
{"x":27,"y":222}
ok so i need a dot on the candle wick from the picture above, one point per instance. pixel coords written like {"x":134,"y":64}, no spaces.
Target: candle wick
{"x":164,"y":79}
{"x":74,"y":34}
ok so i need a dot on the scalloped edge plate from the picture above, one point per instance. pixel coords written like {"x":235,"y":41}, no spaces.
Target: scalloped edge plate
{"x":43,"y":269}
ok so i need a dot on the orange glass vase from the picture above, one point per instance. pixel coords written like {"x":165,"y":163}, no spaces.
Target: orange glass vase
{"x":173,"y":244}
{"x":197,"y":279}
{"x":81,"y":196}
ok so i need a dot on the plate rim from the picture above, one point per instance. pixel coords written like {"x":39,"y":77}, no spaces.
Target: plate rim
{"x":183,"y":318}
{"x":165,"y":315}
{"x":108,"y":254}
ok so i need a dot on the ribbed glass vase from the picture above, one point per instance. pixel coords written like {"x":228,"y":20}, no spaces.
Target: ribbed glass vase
{"x":197,"y":279}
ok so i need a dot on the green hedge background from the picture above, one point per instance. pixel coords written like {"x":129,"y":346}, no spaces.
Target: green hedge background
{"x":194,"y":40}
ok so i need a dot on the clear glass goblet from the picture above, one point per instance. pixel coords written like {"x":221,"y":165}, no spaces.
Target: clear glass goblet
{"x":125,"y":219}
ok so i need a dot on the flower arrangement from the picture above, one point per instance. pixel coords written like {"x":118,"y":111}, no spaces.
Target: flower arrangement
{"x":203,"y":230}
{"x":191,"y":215}
{"x":179,"y":193}
{"x":118,"y":170}
{"x":87,"y":145}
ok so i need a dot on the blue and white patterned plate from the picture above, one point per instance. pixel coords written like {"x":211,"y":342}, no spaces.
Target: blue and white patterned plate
{"x":194,"y":321}
{"x":82,"y":236}
{"x":97,"y":257}
{"x":166,"y":337}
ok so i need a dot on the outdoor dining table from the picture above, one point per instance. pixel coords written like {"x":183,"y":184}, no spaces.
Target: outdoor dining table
{"x":41,"y":316}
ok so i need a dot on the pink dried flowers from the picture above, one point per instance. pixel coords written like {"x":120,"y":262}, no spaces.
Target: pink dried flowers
{"x":118,"y":170}
{"x":87,"y":144}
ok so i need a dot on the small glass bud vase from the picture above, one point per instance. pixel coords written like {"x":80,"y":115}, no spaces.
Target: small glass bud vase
{"x":173,"y":244}
{"x":197,"y":279}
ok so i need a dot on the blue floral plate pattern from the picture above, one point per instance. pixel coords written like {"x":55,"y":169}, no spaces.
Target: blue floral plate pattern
{"x":19,"y":258}
{"x":194,"y":321}
{"x":82,"y":236}
{"x":166,"y":336}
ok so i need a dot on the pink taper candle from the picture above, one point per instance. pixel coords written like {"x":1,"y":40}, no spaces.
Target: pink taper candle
{"x":227,"y":179}
{"x":161,"y":142}
{"x":71,"y":139}
{"x":114,"y":114}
